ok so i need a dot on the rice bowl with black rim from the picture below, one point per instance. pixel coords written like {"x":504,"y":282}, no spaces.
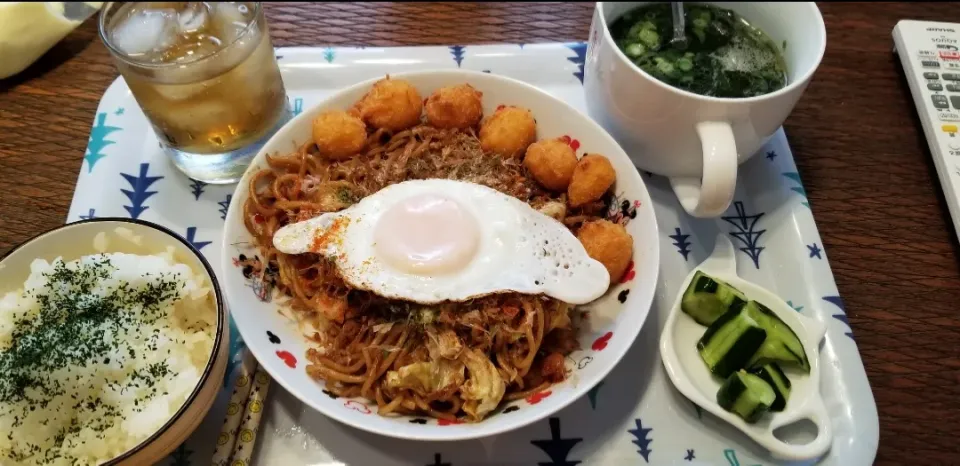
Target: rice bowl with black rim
{"x":106,"y":340}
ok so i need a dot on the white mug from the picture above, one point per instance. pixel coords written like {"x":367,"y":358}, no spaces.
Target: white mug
{"x":697,"y":141}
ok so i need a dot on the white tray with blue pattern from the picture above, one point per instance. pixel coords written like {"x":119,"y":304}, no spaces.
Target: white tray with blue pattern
{"x":635,"y":416}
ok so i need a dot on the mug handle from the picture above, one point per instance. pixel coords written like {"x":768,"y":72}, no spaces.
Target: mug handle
{"x":710,"y":195}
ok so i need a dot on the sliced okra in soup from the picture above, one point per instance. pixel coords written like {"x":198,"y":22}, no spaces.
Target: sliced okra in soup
{"x":725,"y":55}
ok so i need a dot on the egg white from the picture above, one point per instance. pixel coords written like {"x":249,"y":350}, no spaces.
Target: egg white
{"x":521,"y":250}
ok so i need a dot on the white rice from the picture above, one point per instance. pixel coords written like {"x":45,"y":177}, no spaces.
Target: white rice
{"x":176,"y":334}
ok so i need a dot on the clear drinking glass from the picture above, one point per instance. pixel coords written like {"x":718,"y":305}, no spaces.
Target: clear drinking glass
{"x":205,"y":75}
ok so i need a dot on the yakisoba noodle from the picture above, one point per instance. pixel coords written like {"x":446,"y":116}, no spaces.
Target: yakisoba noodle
{"x":405,"y":357}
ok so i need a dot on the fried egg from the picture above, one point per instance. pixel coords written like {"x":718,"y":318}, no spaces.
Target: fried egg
{"x":429,"y":241}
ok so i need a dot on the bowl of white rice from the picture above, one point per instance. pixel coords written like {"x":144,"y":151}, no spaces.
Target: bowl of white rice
{"x":113,"y":344}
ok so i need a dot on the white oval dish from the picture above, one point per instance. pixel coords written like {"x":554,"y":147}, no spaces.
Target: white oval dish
{"x":678,"y":350}
{"x":615,"y":319}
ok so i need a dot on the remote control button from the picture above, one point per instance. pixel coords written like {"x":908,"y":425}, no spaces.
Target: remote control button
{"x":950,"y":54}
{"x":953,"y":145}
{"x":951,"y":76}
{"x":953,"y":87}
{"x":948,"y":116}
{"x":935,"y":86}
{"x":955,"y":100}
{"x":930,"y":75}
{"x":930,"y":64}
{"x":949,"y":128}
{"x":940,"y":101}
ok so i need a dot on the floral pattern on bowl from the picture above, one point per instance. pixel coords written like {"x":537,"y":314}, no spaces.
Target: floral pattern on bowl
{"x":609,"y":325}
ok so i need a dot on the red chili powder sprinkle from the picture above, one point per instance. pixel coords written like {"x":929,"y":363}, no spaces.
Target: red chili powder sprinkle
{"x":332,"y":235}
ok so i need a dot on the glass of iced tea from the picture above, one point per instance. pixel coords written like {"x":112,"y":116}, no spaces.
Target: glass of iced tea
{"x":205,"y":75}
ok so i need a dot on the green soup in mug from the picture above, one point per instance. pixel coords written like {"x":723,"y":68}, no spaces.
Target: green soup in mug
{"x":725,"y":55}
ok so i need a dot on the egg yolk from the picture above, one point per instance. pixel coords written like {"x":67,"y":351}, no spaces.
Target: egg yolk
{"x":427,"y":234}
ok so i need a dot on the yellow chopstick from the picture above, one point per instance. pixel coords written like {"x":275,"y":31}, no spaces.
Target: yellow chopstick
{"x":228,"y":433}
{"x":247,"y":435}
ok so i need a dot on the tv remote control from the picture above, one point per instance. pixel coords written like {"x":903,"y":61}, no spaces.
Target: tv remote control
{"x":930,"y":55}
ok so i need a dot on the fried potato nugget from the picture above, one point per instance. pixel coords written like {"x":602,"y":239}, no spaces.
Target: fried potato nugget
{"x":338,"y":134}
{"x":391,"y":104}
{"x":508,"y":132}
{"x":551,"y":162}
{"x":592,"y":177}
{"x":608,"y":243}
{"x":457,"y":107}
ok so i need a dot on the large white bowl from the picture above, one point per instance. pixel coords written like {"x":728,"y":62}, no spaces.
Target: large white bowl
{"x":613,"y":323}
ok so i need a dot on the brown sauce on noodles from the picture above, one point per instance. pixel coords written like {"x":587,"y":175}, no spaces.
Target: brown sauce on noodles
{"x":408,"y":358}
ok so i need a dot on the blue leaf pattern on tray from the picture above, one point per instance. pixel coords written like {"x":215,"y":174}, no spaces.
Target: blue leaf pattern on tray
{"x":642,"y":439}
{"x":98,"y":141}
{"x":224,"y":206}
{"x":681,"y":243}
{"x":297,"y":106}
{"x":557,"y":448}
{"x":795,"y":177}
{"x":192,"y":239}
{"x":731,"y":457}
{"x":592,"y":394}
{"x":196,"y":188}
{"x":746,"y":231}
{"x":580,"y":49}
{"x":795,"y":307}
{"x":139,"y":195}
{"x":236,"y":350}
{"x":842,"y":316}
{"x":457,"y":52}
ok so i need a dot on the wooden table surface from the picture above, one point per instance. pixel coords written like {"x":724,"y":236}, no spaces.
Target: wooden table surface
{"x":855,"y":136}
